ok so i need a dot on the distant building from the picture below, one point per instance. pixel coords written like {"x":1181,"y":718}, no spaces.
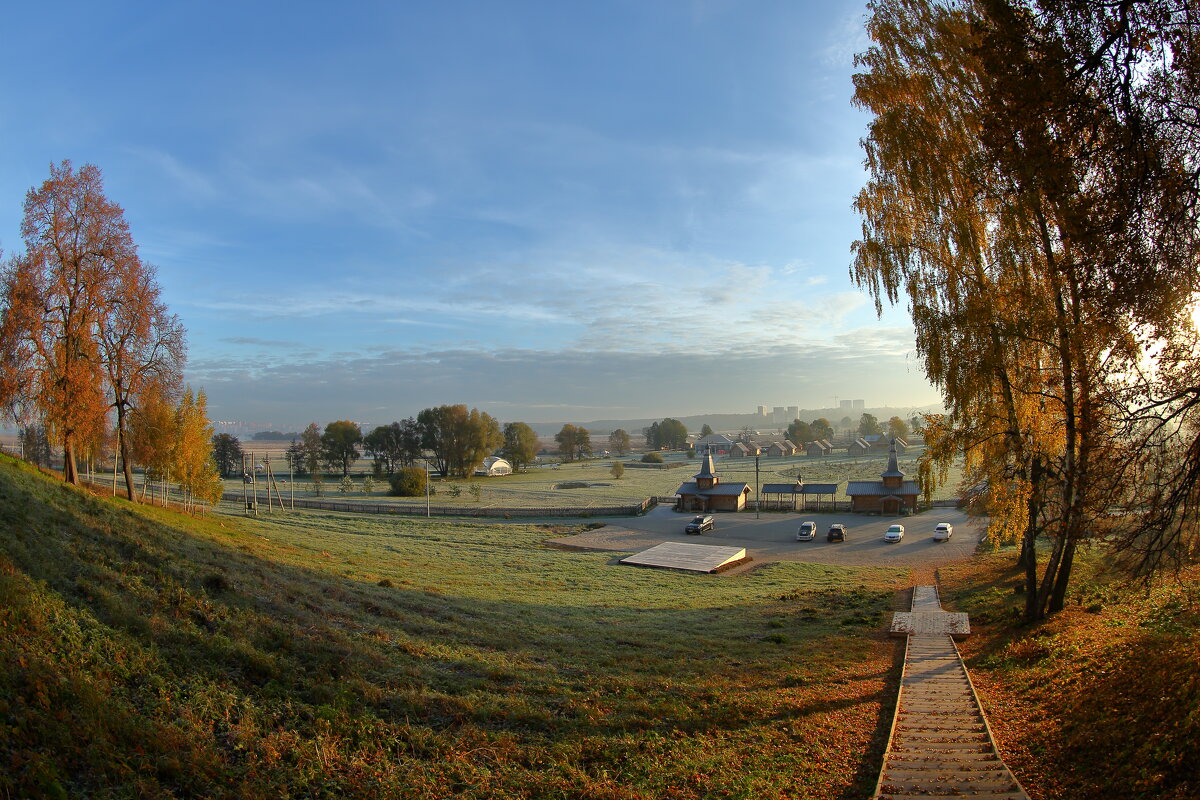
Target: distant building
{"x":779,"y":414}
{"x":715,"y":443}
{"x":821,"y":447}
{"x":762,"y":411}
{"x":847,"y":405}
{"x":781,"y":449}
{"x":793,"y":412}
{"x":859,"y":405}
{"x":891,"y":494}
{"x":738,"y":450}
{"x":705,"y":492}
{"x":881,"y":443}
{"x":859,"y":447}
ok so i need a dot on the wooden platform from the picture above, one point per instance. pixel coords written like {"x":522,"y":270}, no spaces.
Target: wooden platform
{"x":690,"y":557}
{"x":951,"y":623}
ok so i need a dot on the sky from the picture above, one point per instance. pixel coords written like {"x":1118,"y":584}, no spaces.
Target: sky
{"x":550,"y":211}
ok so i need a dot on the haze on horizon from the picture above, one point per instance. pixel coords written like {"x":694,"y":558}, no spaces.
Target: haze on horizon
{"x":547,"y":211}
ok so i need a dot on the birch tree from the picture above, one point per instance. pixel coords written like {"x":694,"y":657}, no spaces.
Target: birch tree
{"x":193,"y":465}
{"x":141,"y":343}
{"x":959,"y":217}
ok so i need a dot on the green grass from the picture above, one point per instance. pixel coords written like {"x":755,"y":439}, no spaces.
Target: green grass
{"x":542,"y":486}
{"x":145,"y":653}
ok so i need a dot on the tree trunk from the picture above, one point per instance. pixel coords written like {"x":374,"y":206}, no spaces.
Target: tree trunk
{"x":1029,"y":544}
{"x":70,"y":468}
{"x":123,"y":447}
{"x":1049,"y":577}
{"x":1059,"y":594}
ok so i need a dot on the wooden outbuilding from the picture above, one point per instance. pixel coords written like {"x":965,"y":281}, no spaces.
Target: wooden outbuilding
{"x":705,"y":492}
{"x":891,"y":494}
{"x":820,"y":447}
{"x":738,"y":450}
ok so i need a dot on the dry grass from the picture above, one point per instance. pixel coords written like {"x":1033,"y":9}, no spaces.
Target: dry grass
{"x":1103,"y":699}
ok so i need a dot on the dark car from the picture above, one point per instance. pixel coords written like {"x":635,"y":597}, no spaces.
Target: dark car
{"x":700,"y":524}
{"x":837,"y":533}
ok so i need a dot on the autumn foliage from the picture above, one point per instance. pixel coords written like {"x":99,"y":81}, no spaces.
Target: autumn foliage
{"x":85,"y":336}
{"x":1033,"y":195}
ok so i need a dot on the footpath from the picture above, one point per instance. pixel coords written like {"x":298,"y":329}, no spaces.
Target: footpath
{"x":940,"y":744}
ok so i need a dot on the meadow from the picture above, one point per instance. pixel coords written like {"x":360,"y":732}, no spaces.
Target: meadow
{"x":148,"y":653}
{"x":559,"y":484}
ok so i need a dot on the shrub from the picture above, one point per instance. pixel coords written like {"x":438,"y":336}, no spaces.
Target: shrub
{"x":368,"y":485}
{"x":618,"y":469}
{"x":652,"y":458}
{"x":408,"y":482}
{"x":346,"y":484}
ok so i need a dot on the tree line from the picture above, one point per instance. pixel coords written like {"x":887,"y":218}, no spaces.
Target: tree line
{"x":89,"y":352}
{"x":455,"y":439}
{"x":1034,"y":178}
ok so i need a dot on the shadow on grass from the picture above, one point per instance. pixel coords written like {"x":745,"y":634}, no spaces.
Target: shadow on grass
{"x":147,"y":652}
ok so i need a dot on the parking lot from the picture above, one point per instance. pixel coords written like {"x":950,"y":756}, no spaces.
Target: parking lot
{"x":772,"y":537}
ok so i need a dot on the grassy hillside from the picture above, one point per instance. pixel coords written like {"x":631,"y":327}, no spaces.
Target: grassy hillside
{"x":148,"y":654}
{"x":1103,"y":700}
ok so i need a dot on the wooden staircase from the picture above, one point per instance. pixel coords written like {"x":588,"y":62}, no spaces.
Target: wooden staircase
{"x":940,"y":744}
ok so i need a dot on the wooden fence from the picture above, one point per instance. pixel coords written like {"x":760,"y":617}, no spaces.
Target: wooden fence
{"x":419,"y":510}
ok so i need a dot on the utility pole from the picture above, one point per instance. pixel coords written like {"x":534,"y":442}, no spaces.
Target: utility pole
{"x":756,"y":500}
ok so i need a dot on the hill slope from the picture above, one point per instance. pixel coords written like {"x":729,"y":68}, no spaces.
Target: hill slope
{"x":1103,"y":699}
{"x":145,"y":653}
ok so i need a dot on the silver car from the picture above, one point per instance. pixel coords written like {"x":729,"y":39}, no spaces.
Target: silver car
{"x":807,"y":532}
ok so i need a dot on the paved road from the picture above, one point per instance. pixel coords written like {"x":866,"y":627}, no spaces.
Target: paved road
{"x":773,"y":537}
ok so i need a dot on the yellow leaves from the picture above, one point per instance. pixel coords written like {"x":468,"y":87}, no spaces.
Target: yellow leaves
{"x":193,"y":460}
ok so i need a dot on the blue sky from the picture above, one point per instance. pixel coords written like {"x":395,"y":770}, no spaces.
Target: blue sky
{"x":551,"y":211}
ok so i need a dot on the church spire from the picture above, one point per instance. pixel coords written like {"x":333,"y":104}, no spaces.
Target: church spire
{"x":893,"y":467}
{"x":707,"y":478}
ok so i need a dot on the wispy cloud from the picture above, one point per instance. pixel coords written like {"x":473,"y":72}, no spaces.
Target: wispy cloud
{"x":848,"y":39}
{"x":190,"y":181}
{"x":250,"y":340}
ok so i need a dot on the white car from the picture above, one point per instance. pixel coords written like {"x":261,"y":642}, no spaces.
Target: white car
{"x":942,"y":531}
{"x":894,"y":534}
{"x":807,"y":532}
